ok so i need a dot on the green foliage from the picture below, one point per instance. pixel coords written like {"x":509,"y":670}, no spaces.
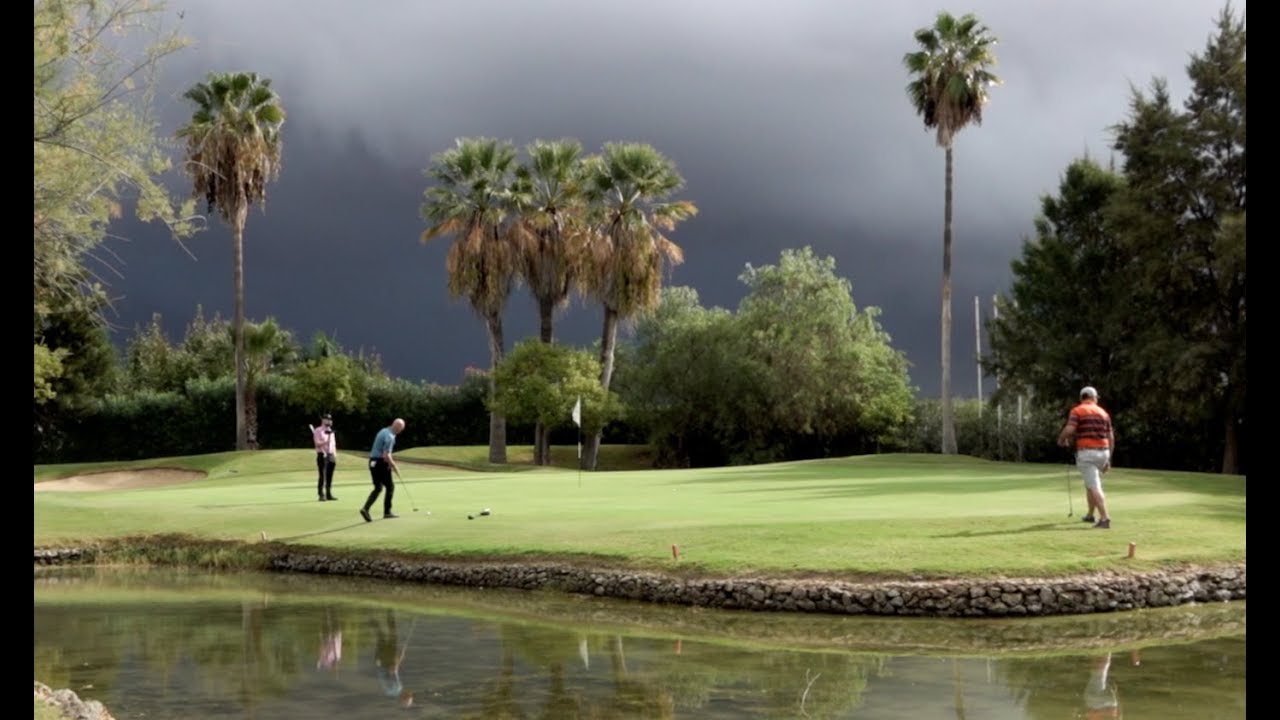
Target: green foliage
{"x":334,"y":383}
{"x":540,"y":382}
{"x":798,"y":371}
{"x":88,"y":360}
{"x":1135,"y":282}
{"x":206,"y":351}
{"x":96,"y":148}
{"x":984,"y":430}
{"x":688,"y":378}
{"x":48,"y":368}
{"x":1060,"y":330}
{"x":830,"y":367}
{"x":176,"y":399}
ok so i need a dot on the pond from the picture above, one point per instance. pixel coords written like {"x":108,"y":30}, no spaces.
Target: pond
{"x":190,"y":644}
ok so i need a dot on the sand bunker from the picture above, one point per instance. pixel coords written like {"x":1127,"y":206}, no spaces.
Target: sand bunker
{"x":120,"y":480}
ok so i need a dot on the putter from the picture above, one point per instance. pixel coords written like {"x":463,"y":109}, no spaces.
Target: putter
{"x":412,"y":504}
{"x":1071,"y":510}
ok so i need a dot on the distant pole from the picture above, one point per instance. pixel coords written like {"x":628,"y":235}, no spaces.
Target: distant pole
{"x":1019,"y":428}
{"x":995,"y":315}
{"x":977,"y":345}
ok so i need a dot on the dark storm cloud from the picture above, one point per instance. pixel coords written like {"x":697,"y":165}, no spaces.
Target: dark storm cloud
{"x":789,"y":121}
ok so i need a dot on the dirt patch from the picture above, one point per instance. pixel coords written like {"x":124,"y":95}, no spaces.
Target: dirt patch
{"x":120,"y":480}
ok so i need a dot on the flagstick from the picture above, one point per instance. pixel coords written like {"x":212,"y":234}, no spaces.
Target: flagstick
{"x":577,"y":420}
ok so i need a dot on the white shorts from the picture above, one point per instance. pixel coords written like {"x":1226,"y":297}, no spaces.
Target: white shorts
{"x":1090,"y":464}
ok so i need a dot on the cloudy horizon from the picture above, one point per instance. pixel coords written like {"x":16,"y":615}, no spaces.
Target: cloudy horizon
{"x":788,"y":120}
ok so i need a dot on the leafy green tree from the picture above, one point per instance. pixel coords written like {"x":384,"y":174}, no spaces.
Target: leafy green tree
{"x":1135,"y":282}
{"x":48,"y":367}
{"x":78,"y":340}
{"x":208,"y":346}
{"x":332,"y":384}
{"x":1182,"y":217}
{"x":829,"y":368}
{"x":151,"y":362}
{"x":470,"y":201}
{"x":1058,"y":328}
{"x":798,"y":371}
{"x":691,"y":381}
{"x":96,"y":148}
{"x":233,"y":150}
{"x":627,"y":188}
{"x":540,"y":382}
{"x":949,"y":89}
{"x":549,"y":230}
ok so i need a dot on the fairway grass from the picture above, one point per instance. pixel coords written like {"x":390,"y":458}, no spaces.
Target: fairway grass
{"x":882,"y":516}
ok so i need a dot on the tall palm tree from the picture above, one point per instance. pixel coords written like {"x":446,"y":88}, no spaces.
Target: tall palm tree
{"x":625,"y":189}
{"x":233,"y":151}
{"x":470,"y":201}
{"x":548,"y":232}
{"x":949,"y":89}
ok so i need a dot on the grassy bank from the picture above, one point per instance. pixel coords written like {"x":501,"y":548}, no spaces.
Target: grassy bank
{"x":888,"y":515}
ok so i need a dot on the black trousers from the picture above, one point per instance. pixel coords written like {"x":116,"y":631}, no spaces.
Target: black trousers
{"x":325,"y":469}
{"x":380,"y":471}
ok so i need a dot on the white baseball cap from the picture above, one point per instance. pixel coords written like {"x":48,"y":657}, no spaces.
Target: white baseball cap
{"x":1089,"y":391}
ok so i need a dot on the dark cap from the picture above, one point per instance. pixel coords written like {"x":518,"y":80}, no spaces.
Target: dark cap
{"x":326,"y":416}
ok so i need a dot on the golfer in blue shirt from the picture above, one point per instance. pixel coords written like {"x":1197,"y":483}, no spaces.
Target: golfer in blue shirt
{"x":380,"y":466}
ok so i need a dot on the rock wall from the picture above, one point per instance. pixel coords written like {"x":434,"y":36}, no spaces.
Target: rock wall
{"x":997,"y":597}
{"x":1002,"y":597}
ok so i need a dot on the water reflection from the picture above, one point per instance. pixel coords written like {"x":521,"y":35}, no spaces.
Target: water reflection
{"x":183,"y":645}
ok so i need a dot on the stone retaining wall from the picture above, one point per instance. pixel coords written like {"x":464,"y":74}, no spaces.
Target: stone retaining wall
{"x":1101,"y":592}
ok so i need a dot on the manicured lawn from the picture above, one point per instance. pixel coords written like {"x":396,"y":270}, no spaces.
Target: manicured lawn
{"x":862,"y":516}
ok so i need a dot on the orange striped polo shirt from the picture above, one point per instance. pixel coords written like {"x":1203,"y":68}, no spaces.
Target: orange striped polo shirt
{"x":1092,"y":426}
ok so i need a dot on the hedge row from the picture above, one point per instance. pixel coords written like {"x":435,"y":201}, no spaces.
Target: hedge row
{"x":200,"y":420}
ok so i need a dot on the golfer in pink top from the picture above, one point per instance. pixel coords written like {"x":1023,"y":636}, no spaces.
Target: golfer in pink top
{"x":326,"y":443}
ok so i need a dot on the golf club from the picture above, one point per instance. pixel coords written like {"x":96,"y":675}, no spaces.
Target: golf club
{"x":1071,"y":511}
{"x":482,"y":513}
{"x":412,"y":504}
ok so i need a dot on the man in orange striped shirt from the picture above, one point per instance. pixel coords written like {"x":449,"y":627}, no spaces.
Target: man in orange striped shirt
{"x":1089,"y":429}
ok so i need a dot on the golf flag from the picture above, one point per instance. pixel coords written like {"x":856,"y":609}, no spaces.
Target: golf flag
{"x":577,"y":420}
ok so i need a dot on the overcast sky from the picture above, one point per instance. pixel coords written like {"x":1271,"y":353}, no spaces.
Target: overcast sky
{"x":788,"y":120}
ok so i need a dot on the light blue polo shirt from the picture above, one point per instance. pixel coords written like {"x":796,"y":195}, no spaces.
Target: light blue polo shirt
{"x":385,"y":442}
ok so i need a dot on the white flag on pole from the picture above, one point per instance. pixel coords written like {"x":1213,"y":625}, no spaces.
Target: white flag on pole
{"x":577,"y":419}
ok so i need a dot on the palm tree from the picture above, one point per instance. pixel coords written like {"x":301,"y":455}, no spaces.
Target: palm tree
{"x":626,"y":256}
{"x":949,"y":90}
{"x":548,"y":234}
{"x":470,"y":201}
{"x":233,"y":151}
{"x":266,"y":346}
